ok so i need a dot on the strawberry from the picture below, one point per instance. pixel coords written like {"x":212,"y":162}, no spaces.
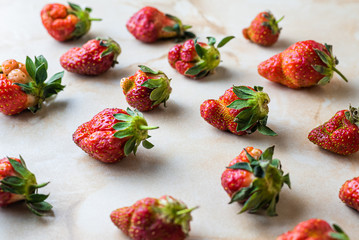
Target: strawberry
{"x":146,"y":89}
{"x":25,"y":87}
{"x":112,"y":134}
{"x":349,"y":193}
{"x":255,"y":179}
{"x":314,"y":229}
{"x":263,"y":30}
{"x":93,"y":58}
{"x":241,"y":110}
{"x":304,"y":64}
{"x":17,"y":183}
{"x":340,"y":134}
{"x":164,"y":218}
{"x":66,"y":22}
{"x":149,"y":24}
{"x":196,"y":59}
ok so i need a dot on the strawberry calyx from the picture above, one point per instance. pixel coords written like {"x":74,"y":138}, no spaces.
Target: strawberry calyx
{"x":353,"y":115}
{"x":24,"y":184}
{"x":134,"y":126}
{"x":179,"y":29}
{"x":271,"y":22}
{"x":339,"y":234}
{"x":263,"y":193}
{"x":112,"y":47}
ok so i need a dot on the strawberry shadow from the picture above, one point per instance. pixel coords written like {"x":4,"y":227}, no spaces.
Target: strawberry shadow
{"x":19,"y":210}
{"x":220,"y":74}
{"x":281,"y":45}
{"x":172,"y":110}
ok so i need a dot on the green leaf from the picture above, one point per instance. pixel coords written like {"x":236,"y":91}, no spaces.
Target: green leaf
{"x":271,"y":210}
{"x":13,"y":181}
{"x":41,"y":185}
{"x":211,"y":41}
{"x":324,"y":57}
{"x":122,"y":117}
{"x":199,"y":50}
{"x":329,"y":48}
{"x":129,"y":146}
{"x":286,"y":180}
{"x":250,"y":158}
{"x":130,"y":112}
{"x":6,"y":188}
{"x":189,"y":34}
{"x":41,"y":60}
{"x":242,"y":93}
{"x":52,"y":89}
{"x":41,"y":206}
{"x":40,"y":74}
{"x":156,"y":94}
{"x":224,"y":41}
{"x":123,"y":133}
{"x":242,"y":194}
{"x":266,"y":130}
{"x":75,"y":6}
{"x":121,"y":125}
{"x":267,"y":154}
{"x":146,"y":69}
{"x":168,"y":29}
{"x":35,"y":198}
{"x":195,"y":69}
{"x":258,"y":172}
{"x":239,"y":104}
{"x":243,"y":89}
{"x":244,"y":116}
{"x":324,"y":80}
{"x":146,"y":144}
{"x":258,"y":88}
{"x":19,"y":168}
{"x":322,"y":70}
{"x":242,"y":165}
{"x":153,"y":83}
{"x":30,"y":67}
{"x":56,"y":78}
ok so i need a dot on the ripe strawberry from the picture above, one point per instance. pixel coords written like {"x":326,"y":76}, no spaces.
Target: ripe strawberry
{"x":164,"y":218}
{"x":112,"y":134}
{"x":263,"y":30}
{"x":196,"y":59}
{"x":303,"y":64}
{"x":25,"y":88}
{"x":17,"y":183}
{"x":93,"y":58}
{"x":241,"y":110}
{"x":314,"y":229}
{"x":146,"y":89}
{"x":340,"y":134}
{"x":149,"y":24}
{"x":255,"y":179}
{"x":349,"y":193}
{"x":66,"y":22}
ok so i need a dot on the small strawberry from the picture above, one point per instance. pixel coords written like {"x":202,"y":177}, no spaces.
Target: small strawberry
{"x":304,"y":64}
{"x":340,"y":134}
{"x":164,"y":218}
{"x":349,"y":193}
{"x":149,"y":24}
{"x":25,"y":87}
{"x":196,"y":59}
{"x":93,"y":58}
{"x":263,"y":30}
{"x":314,"y":229}
{"x":241,"y":110}
{"x":255,"y":179}
{"x":112,"y":134}
{"x":146,"y":89}
{"x":17,"y":183}
{"x":66,"y":22}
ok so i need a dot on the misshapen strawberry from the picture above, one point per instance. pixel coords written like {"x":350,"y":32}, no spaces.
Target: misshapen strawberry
{"x":146,"y":89}
{"x":304,"y":64}
{"x":196,"y":59}
{"x":255,"y":179}
{"x":112,"y":134}
{"x":66,"y":22}
{"x":164,"y":218}
{"x":263,"y":30}
{"x":340,"y":134}
{"x":349,"y":193}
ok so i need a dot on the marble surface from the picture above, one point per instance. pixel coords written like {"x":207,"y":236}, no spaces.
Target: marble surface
{"x":189,"y":155}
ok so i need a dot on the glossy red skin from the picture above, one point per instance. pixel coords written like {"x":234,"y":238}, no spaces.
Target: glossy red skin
{"x":96,"y":138}
{"x":349,"y":193}
{"x":338,"y":135}
{"x":141,"y":222}
{"x":7,"y":170}
{"x":260,"y":34}
{"x":12,"y":99}
{"x":87,"y":60}
{"x":294,"y":66}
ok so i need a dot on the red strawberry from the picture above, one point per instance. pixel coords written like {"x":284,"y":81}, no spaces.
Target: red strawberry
{"x":66,"y":22}
{"x":146,"y":89}
{"x":241,"y":110}
{"x":112,"y":134}
{"x":196,"y":59}
{"x":263,"y":30}
{"x":17,"y":183}
{"x":340,"y":134}
{"x":314,"y":229}
{"x":25,"y":88}
{"x":255,"y":179}
{"x":349,"y":193}
{"x":154,"y":219}
{"x":149,"y":24}
{"x":303,"y":64}
{"x":93,"y":58}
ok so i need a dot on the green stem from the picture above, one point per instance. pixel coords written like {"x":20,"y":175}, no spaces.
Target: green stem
{"x":340,"y":74}
{"x":280,"y":19}
{"x":95,"y":19}
{"x":187,"y":210}
{"x":144,"y":127}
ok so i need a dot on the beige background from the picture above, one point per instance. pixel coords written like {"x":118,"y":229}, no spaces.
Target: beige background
{"x":189,"y":154}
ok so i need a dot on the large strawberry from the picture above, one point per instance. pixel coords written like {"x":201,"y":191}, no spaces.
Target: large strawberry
{"x":263,"y":30}
{"x":146,"y":89}
{"x":149,"y":24}
{"x":314,"y":229}
{"x":112,"y":134}
{"x":303,"y":64}
{"x":93,"y":58}
{"x":255,"y":179}
{"x":196,"y":59}
{"x":241,"y":110}
{"x":164,"y":218}
{"x":349,"y":193}
{"x":25,"y":87}
{"x":17,"y":183}
{"x":340,"y":134}
{"x":66,"y":22}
